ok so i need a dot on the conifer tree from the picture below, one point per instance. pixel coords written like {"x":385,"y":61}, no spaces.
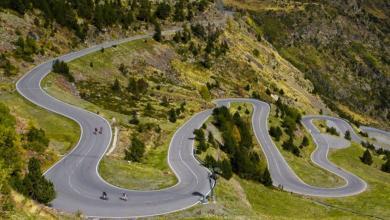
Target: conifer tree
{"x":386,"y":166}
{"x":267,"y":180}
{"x":347,"y":135}
{"x":136,"y":151}
{"x":366,"y":158}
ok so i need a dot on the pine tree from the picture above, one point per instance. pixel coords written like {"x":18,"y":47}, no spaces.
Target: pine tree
{"x":164,"y":101}
{"x":116,"y":87}
{"x":386,"y":166}
{"x":226,"y":169}
{"x":305,"y":141}
{"x":267,"y":180}
{"x":35,"y":185}
{"x":144,"y":12}
{"x":347,"y":135}
{"x":172,"y":115}
{"x":179,"y":10}
{"x":136,"y":151}
{"x":211,"y":140}
{"x":157,"y":32}
{"x":366,"y":158}
{"x":149,"y":110}
{"x":163,"y":10}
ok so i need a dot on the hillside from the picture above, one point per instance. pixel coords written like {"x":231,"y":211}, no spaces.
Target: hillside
{"x":341,"y":47}
{"x":148,"y":88}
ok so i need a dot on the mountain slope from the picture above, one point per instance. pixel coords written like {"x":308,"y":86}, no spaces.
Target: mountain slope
{"x":341,"y":47}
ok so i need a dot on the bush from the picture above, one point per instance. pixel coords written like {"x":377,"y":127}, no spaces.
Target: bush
{"x":200,"y":137}
{"x":275,"y":132}
{"x":172,"y":117}
{"x":226,"y":169}
{"x":332,"y":131}
{"x":305,"y":141}
{"x":386,"y":166}
{"x":368,"y":145}
{"x":37,"y":140}
{"x":267,"y":180}
{"x":35,"y":185}
{"x":62,"y":68}
{"x":366,"y":158}
{"x":136,"y":151}
{"x":289,"y":146}
{"x":347,"y":135}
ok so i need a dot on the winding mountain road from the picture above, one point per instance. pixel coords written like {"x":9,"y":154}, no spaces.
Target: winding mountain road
{"x":79,"y":186}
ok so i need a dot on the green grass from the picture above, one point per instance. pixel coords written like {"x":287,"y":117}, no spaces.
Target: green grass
{"x":268,"y":203}
{"x":62,"y":132}
{"x":134,"y":175}
{"x":375,"y":200}
{"x":303,"y":166}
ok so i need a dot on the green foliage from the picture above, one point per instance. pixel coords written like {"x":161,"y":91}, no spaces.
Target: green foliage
{"x":205,"y":93}
{"x":290,"y":116}
{"x":347,"y":135}
{"x":201,"y":139}
{"x":275,"y":132}
{"x":386,"y":166}
{"x":149,"y":110}
{"x":368,"y":145}
{"x":172,"y":116}
{"x":366,"y":158}
{"x":352,"y":57}
{"x":62,"y":68}
{"x":137,"y":87}
{"x":9,"y":145}
{"x":6,"y":119}
{"x":244,"y":161}
{"x":332,"y":131}
{"x":37,"y":140}
{"x":164,"y":101}
{"x":305,"y":141}
{"x":179,"y":13}
{"x":136,"y":151}
{"x":5,"y":64}
{"x":226,"y":169}
{"x":267,"y":180}
{"x":116,"y":87}
{"x":163,"y":10}
{"x":289,"y":146}
{"x":211,"y":140}
{"x":134,"y":120}
{"x":157,"y":32}
{"x":35,"y":185}
{"x":25,"y":48}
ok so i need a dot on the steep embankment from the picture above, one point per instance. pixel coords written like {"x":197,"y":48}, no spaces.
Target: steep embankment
{"x":341,"y":47}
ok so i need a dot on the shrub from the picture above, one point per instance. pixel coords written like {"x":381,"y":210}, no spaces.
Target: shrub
{"x":172,"y":117}
{"x":386,"y":166}
{"x":366,"y":158}
{"x":62,"y":68}
{"x":136,"y":151}
{"x":35,"y":185}
{"x":347,"y":135}
{"x":37,"y":140}
{"x":332,"y":131}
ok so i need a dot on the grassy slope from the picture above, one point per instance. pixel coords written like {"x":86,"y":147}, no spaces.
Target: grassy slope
{"x":63,"y":133}
{"x":273,"y":204}
{"x":252,"y":196}
{"x":316,"y":37}
{"x":303,"y":166}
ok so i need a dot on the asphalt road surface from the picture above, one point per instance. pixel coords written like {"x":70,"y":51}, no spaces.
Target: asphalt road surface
{"x":79,"y":185}
{"x":75,"y":177}
{"x":281,"y":172}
